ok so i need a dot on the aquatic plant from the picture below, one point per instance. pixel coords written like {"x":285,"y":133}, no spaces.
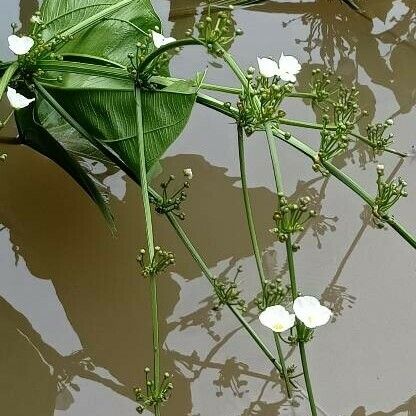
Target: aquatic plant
{"x":117,"y":95}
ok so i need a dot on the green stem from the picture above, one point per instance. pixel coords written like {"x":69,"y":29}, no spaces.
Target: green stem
{"x":274,"y":158}
{"x":150,"y":245}
{"x":218,"y":105}
{"x":307,"y":378}
{"x":205,"y":270}
{"x":84,"y":69}
{"x":289,"y":252}
{"x":220,"y":88}
{"x":255,"y":245}
{"x":247,"y":206}
{"x":387,"y":149}
{"x":316,"y":126}
{"x":295,"y":94}
{"x":283,"y":363}
{"x":177,"y":44}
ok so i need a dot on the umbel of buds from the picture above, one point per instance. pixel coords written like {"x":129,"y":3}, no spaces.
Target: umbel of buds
{"x":291,"y":217}
{"x":227,"y":292}
{"x":376,"y":135}
{"x":171,"y":201}
{"x":388,"y":193}
{"x":216,"y":30}
{"x":158,"y":264}
{"x":153,"y":395}
{"x":274,"y":292}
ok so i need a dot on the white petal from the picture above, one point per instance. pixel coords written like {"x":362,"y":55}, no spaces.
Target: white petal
{"x":18,"y":101}
{"x":267,"y":67}
{"x":286,"y":76}
{"x":290,"y":64}
{"x":310,"y":311}
{"x":323,"y":316}
{"x":277,"y":318}
{"x":159,"y":40}
{"x":20,"y":45}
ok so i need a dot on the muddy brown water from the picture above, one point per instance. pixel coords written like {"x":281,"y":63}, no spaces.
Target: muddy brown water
{"x":74,"y":315}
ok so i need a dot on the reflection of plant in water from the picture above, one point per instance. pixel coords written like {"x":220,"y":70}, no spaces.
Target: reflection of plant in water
{"x":145,"y":110}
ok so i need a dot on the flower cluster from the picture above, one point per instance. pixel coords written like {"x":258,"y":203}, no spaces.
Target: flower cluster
{"x":141,"y":70}
{"x":291,"y":217}
{"x":273,"y":293}
{"x":227,"y":293}
{"x":333,"y":142}
{"x":376,"y":135}
{"x":321,"y":85}
{"x":155,"y":395}
{"x":158,"y":264}
{"x":217,"y":30}
{"x":261,"y":99}
{"x":307,"y":310}
{"x":172,"y":202}
{"x":388,"y":193}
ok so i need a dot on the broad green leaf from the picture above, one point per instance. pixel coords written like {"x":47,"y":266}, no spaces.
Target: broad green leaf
{"x":35,"y":136}
{"x":110,"y":116}
{"x":113,"y":38}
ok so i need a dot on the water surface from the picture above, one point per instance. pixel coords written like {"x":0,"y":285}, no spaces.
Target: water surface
{"x":74,"y":315}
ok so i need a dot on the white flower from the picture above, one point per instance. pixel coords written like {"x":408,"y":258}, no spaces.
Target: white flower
{"x":267,"y":67}
{"x":18,"y":101}
{"x":20,"y":45}
{"x":288,"y":68}
{"x":188,"y":173}
{"x":311,"y":312}
{"x":159,"y":40}
{"x":277,"y":318}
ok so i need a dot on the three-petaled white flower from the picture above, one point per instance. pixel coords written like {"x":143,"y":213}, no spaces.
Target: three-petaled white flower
{"x":287,"y":68}
{"x":188,"y":173}
{"x":18,"y":101}
{"x":159,"y":40}
{"x":277,"y":318}
{"x":308,"y":310}
{"x":20,"y":45}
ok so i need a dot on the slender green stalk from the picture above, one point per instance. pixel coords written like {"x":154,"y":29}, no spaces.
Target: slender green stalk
{"x":387,"y":149}
{"x":150,"y":245}
{"x":205,"y":270}
{"x":255,"y":245}
{"x":172,"y":45}
{"x":218,"y":105}
{"x":307,"y":378}
{"x":247,"y":206}
{"x":315,"y":126}
{"x":289,"y":252}
{"x":83,"y":69}
{"x":283,"y":363}
{"x":295,"y":94}
{"x":220,"y":88}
